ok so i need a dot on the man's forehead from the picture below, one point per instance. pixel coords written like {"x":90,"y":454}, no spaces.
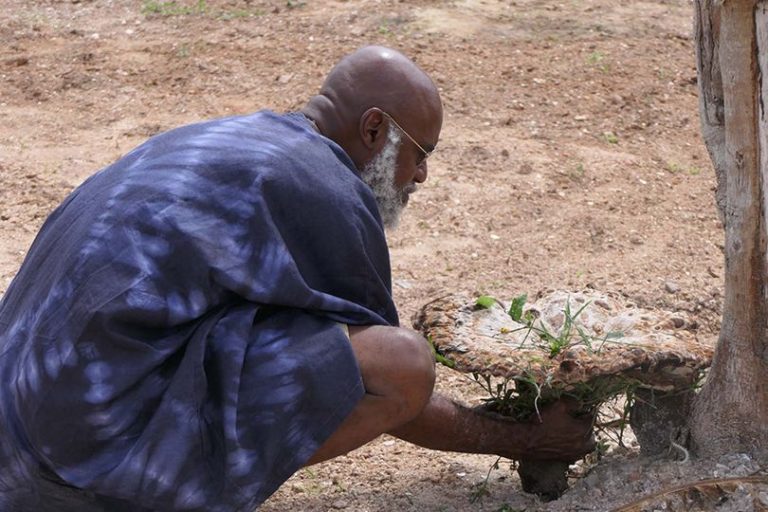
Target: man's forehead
{"x":429,"y":133}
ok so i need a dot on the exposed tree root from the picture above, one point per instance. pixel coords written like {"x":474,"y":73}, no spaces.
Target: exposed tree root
{"x":712,"y":488}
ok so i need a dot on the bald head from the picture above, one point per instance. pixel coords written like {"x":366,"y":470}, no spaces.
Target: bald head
{"x":382,"y":79}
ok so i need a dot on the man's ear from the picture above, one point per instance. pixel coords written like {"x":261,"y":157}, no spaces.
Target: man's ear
{"x":372,"y":126}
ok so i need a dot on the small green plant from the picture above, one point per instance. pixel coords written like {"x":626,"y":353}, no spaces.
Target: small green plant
{"x":675,"y":168}
{"x":172,"y":8}
{"x":597,"y":59}
{"x":518,"y":398}
{"x":485,"y":302}
{"x":199,"y":7}
{"x":237,"y":14}
{"x":391,"y":25}
{"x":482,"y":489}
{"x":577,"y":173}
{"x":570,"y":335}
{"x":610,"y":137}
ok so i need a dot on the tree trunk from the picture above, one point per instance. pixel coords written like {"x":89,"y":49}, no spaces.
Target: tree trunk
{"x":731,"y":412}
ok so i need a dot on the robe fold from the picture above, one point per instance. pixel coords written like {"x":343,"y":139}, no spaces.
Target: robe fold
{"x":172,"y":339}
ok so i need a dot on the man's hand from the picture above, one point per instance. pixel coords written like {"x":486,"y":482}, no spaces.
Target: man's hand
{"x":561,"y":433}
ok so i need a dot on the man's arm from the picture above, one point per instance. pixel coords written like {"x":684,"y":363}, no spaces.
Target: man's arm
{"x":446,"y":425}
{"x":397,"y":366}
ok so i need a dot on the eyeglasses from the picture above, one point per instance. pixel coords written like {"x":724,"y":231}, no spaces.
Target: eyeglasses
{"x":426,"y":153}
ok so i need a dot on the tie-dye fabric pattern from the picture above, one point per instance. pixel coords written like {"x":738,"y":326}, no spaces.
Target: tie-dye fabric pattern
{"x":171,"y":341}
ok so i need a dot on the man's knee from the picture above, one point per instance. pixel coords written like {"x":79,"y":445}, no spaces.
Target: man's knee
{"x":395,"y":363}
{"x":413,"y":353}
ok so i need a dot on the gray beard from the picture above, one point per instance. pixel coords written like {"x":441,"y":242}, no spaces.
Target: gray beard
{"x":379,"y":175}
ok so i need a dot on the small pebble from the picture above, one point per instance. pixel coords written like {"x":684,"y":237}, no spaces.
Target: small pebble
{"x":340,"y":504}
{"x":721,"y":470}
{"x":18,"y":61}
{"x":677,"y":322}
{"x":603,"y":304}
{"x":403,"y":283}
{"x":671,"y":287}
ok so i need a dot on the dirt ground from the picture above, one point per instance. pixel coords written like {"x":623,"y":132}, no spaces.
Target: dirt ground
{"x":570,"y":158}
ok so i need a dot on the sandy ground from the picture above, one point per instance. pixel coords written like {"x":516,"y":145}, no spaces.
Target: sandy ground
{"x":570,"y":158}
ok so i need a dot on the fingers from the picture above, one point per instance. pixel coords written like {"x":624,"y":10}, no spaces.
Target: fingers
{"x":558,"y":411}
{"x":561,"y":434}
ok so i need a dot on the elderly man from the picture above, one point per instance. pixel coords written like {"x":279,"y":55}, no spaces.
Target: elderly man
{"x":213,"y":311}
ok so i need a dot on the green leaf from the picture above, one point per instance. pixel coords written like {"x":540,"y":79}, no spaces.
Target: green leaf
{"x":485,"y":302}
{"x":440,"y":358}
{"x":516,"y":308}
{"x":444,"y":360}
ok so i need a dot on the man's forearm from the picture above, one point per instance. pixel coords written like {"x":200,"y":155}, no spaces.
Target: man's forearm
{"x":448,"y":426}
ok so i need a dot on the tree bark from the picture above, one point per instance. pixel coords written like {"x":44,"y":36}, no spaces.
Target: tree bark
{"x":707,"y":32}
{"x":731,"y":412}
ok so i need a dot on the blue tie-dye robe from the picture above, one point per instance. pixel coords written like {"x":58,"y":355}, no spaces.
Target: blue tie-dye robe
{"x":171,"y":341}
